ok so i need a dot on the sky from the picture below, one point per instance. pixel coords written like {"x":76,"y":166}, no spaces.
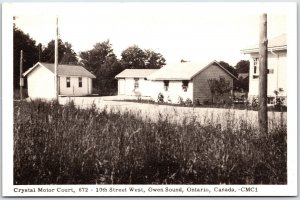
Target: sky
{"x":195,"y":32}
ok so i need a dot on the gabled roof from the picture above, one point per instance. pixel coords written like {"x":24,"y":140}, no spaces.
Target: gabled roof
{"x":277,"y":43}
{"x":183,"y":71}
{"x":63,"y":70}
{"x":135,"y":73}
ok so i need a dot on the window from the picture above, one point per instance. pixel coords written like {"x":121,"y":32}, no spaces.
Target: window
{"x":185,"y":85}
{"x":68,"y":82}
{"x":136,"y":83}
{"x":166,"y":85}
{"x":255,"y":65}
{"x":79,"y":81}
{"x":270,"y":71}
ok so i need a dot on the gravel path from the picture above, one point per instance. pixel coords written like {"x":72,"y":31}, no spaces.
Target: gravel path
{"x":176,"y":114}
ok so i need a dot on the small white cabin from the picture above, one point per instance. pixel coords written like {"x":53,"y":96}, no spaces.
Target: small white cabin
{"x":73,"y":80}
{"x":188,"y":81}
{"x":134,"y":82}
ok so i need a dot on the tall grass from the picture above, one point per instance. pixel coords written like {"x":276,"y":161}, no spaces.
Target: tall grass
{"x":56,"y":144}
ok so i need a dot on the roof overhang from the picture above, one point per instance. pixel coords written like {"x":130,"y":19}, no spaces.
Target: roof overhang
{"x":256,"y":50}
{"x":31,"y":69}
{"x":171,"y":79}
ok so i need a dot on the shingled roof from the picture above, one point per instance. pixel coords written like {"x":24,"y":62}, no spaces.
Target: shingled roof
{"x":63,"y":70}
{"x":277,"y":43}
{"x":183,"y":71}
{"x":135,"y":73}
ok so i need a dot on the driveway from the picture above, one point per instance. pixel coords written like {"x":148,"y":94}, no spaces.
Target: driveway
{"x":176,"y":114}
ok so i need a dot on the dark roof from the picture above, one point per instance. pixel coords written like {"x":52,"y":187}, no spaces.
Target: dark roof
{"x":277,"y":43}
{"x":135,"y":73}
{"x":64,"y":70}
{"x":183,"y":71}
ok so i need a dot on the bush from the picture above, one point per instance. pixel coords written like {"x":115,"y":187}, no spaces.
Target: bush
{"x":188,"y":102}
{"x":206,"y":102}
{"x":180,"y":100}
{"x":160,"y":98}
{"x":197,"y":102}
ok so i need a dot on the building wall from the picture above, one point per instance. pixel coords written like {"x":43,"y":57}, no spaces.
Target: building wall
{"x":126,"y":87}
{"x":74,"y":89}
{"x":174,"y":91}
{"x":276,"y":80}
{"x":41,"y":83}
{"x":201,"y":88}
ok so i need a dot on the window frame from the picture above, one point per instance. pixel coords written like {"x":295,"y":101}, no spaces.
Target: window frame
{"x":166,"y":85}
{"x":255,"y":61}
{"x":185,"y":85}
{"x":68,"y":82}
{"x":136,"y":84}
{"x":80,"y":82}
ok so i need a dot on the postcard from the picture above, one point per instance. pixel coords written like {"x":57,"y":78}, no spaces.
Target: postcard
{"x":149,"y":99}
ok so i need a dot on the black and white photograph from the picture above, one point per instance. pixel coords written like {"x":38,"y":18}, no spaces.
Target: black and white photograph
{"x":149,"y":99}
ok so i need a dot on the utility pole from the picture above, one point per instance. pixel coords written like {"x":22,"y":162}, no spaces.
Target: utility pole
{"x":21,"y":77}
{"x":263,"y":75}
{"x":56,"y":61}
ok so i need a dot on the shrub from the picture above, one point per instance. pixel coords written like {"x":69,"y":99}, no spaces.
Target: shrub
{"x":160,"y":98}
{"x":206,"y":102}
{"x":188,"y":102}
{"x":197,"y":102}
{"x":180,"y":100}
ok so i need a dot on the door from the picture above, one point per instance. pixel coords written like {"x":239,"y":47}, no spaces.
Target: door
{"x":121,"y":86}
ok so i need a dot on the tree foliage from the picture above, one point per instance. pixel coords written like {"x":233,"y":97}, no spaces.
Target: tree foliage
{"x":135,"y":58}
{"x":22,"y":41}
{"x":242,"y":66}
{"x":154,"y":60}
{"x":229,"y":68}
{"x":218,"y":88}
{"x":102,"y":61}
{"x":242,"y":84}
{"x":66,"y":54}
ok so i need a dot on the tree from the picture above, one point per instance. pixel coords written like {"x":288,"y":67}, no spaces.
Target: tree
{"x":135,"y":58}
{"x":229,"y":68}
{"x":22,"y":41}
{"x":102,"y":61}
{"x":218,"y":88}
{"x":154,"y":60}
{"x":242,"y":84}
{"x":242,"y":66}
{"x":66,"y":54}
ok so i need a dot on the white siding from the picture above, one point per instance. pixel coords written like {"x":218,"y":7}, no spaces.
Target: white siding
{"x":276,"y":80}
{"x":74,"y":89}
{"x":41,"y":83}
{"x":174,"y":91}
{"x":126,"y":87}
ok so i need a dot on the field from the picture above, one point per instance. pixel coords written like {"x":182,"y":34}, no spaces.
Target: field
{"x":55,"y":144}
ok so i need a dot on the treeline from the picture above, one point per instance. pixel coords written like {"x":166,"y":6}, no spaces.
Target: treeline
{"x":100,"y":60}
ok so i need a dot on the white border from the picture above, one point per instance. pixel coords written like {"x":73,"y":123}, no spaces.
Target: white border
{"x":9,"y":10}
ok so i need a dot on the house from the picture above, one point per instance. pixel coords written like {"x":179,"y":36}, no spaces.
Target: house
{"x":134,"y":82}
{"x":188,"y":80}
{"x":73,"y":80}
{"x":277,"y":69}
